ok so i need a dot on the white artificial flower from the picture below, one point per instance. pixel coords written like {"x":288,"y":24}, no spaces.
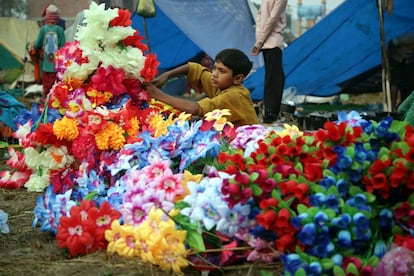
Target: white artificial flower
{"x":37,"y":183}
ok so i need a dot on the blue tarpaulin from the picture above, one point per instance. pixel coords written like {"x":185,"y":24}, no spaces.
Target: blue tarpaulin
{"x":183,"y":28}
{"x":343,"y":45}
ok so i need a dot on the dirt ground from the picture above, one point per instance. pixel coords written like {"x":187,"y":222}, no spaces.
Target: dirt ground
{"x":29,"y":251}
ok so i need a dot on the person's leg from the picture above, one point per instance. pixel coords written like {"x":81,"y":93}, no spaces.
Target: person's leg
{"x":48,"y":81}
{"x":273,"y":84}
{"x":395,"y":82}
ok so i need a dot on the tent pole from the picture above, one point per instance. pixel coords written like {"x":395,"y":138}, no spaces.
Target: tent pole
{"x":385,"y":62}
{"x":146,"y":34}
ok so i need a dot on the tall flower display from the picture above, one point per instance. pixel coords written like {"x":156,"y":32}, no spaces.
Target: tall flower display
{"x":126,"y":174}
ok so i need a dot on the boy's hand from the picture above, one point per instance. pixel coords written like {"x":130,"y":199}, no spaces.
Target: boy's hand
{"x":160,"y":81}
{"x":255,"y":51}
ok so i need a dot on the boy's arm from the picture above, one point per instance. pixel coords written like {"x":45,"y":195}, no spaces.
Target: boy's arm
{"x":163,"y":78}
{"x":186,"y":106}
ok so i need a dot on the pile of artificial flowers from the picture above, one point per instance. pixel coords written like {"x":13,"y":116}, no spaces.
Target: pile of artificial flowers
{"x":125,"y":174}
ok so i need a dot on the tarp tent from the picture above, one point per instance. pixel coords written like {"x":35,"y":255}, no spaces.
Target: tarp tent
{"x":15,"y":33}
{"x":344,"y":44}
{"x":183,"y":28}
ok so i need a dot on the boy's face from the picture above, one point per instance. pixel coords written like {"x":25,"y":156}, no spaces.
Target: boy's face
{"x":222,"y":76}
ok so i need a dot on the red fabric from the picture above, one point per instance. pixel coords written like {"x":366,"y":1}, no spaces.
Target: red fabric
{"x":48,"y":81}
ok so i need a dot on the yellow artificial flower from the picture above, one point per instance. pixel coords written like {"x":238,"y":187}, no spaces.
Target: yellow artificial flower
{"x":110,"y":137}
{"x":158,"y":125}
{"x":66,"y":128}
{"x":171,"y":258}
{"x":188,"y":177}
{"x":112,"y":235}
{"x":146,"y":240}
{"x":290,"y":130}
{"x":133,"y":127}
{"x":126,"y":245}
{"x":219,"y":115}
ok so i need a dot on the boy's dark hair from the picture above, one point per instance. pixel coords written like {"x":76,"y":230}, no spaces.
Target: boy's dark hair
{"x":236,"y":60}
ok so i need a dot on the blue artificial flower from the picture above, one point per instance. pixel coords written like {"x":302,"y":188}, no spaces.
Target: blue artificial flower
{"x":343,"y":162}
{"x":323,"y":237}
{"x":320,"y":219}
{"x":361,"y":221}
{"x":385,"y":218}
{"x":353,"y":118}
{"x":327,"y":182}
{"x":342,"y":221}
{"x":314,"y":268}
{"x":297,"y":220}
{"x":332,"y":202}
{"x":362,"y":235}
{"x":344,"y":239}
{"x":355,"y":175}
{"x":360,"y":152}
{"x":292,"y":263}
{"x":4,"y":227}
{"x":368,"y":127}
{"x":343,"y":187}
{"x":317,"y":200}
{"x":359,"y":201}
{"x":308,"y":234}
{"x":337,"y":259}
{"x":380,"y":249}
{"x":44,"y":212}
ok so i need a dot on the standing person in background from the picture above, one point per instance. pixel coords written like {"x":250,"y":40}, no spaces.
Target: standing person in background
{"x":270,"y":25}
{"x":51,"y":37}
{"x":401,"y":59}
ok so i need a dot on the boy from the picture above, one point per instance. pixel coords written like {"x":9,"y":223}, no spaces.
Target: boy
{"x":51,"y":37}
{"x":223,"y":87}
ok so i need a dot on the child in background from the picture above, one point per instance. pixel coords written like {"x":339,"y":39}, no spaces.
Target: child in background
{"x":51,"y":37}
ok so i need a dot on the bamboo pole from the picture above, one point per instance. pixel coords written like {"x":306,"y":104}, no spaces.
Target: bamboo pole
{"x":386,"y":87}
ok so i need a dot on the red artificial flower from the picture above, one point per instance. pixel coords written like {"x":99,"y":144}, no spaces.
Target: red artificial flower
{"x":335,"y":131}
{"x":286,"y":242}
{"x":74,"y":235}
{"x":410,"y":181}
{"x":100,"y":220}
{"x":282,"y":224}
{"x":266,"y":219}
{"x":123,"y":19}
{"x":282,"y":149}
{"x":136,"y":91}
{"x":405,"y":241}
{"x":409,"y":135}
{"x":379,"y":166}
{"x":108,"y":79}
{"x":135,"y":41}
{"x":301,"y":191}
{"x":402,"y":210}
{"x":398,"y":175}
{"x":93,"y":121}
{"x":62,"y":180}
{"x":44,"y":135}
{"x":410,"y":155}
{"x":276,"y":159}
{"x":410,"y":219}
{"x":83,"y":145}
{"x":379,"y":181}
{"x":312,"y":168}
{"x":150,"y":67}
{"x":268,"y":203}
